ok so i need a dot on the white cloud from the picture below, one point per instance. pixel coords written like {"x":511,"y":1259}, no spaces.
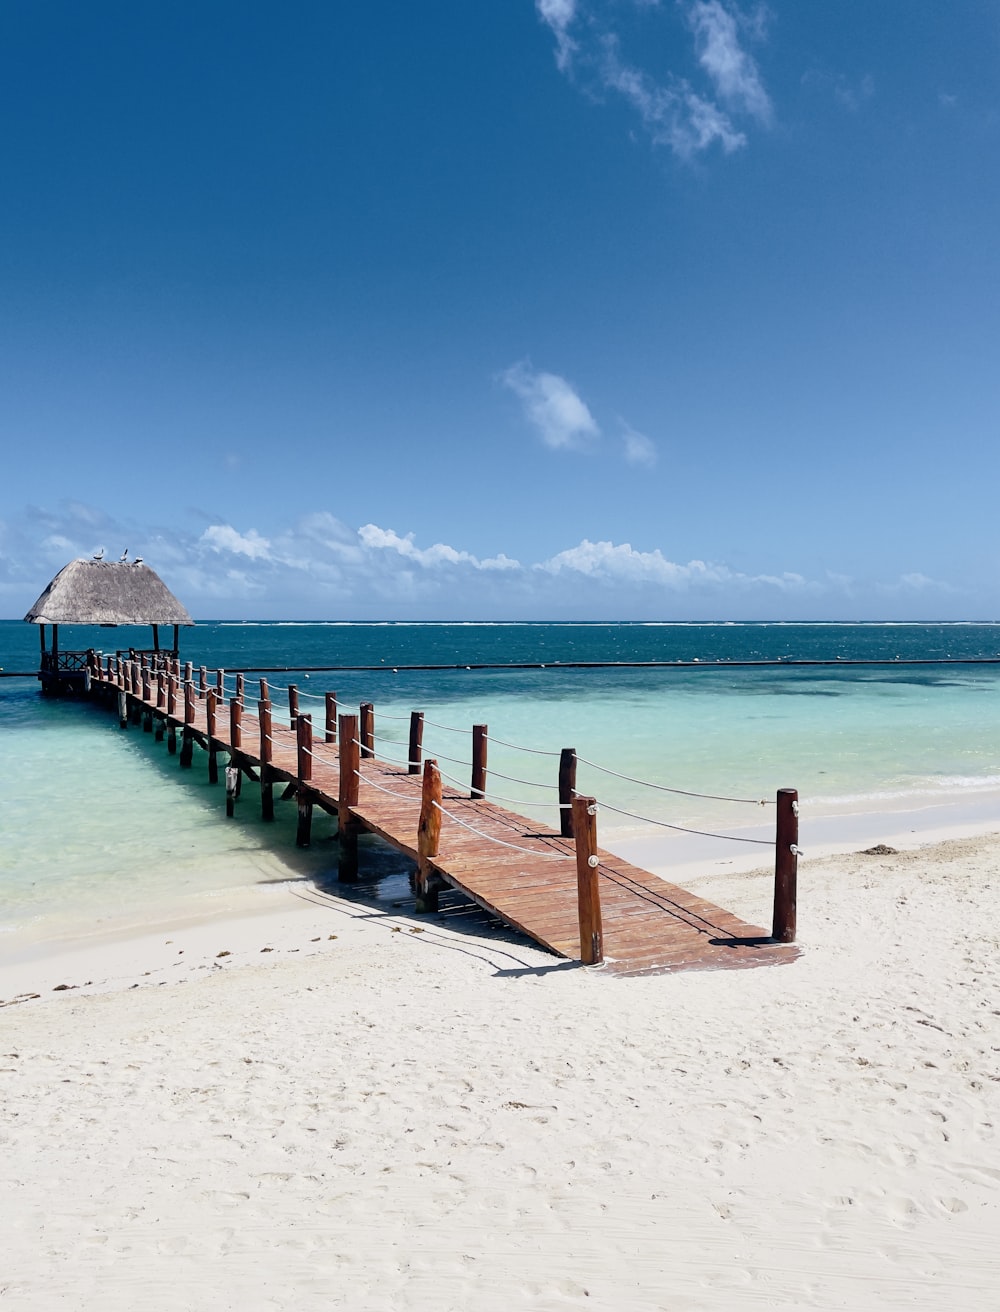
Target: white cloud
{"x":620,"y":562}
{"x":559,"y":15}
{"x":222,"y":537}
{"x":553,"y":406}
{"x":639,"y":449}
{"x":385,"y":539}
{"x":731,"y":69}
{"x":673,"y":110}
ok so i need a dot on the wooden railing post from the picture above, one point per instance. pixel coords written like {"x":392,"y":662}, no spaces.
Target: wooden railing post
{"x":786,"y":865}
{"x":415,"y":749}
{"x":211,"y":705}
{"x":293,"y":704}
{"x":567,"y":788}
{"x":330,"y":726}
{"x":240,"y":684}
{"x":304,"y":742}
{"x":347,"y":829}
{"x":266,"y":782}
{"x":188,"y":671}
{"x":265,"y":696}
{"x":187,"y":739}
{"x":588,"y":892}
{"x":220,"y":684}
{"x":147,"y":700}
{"x":366,"y":729}
{"x":428,"y":837}
{"x":202,"y":682}
{"x":480,"y":733}
{"x":236,"y":724}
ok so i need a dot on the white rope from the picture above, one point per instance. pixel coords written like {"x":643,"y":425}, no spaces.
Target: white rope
{"x":448,"y":728}
{"x":682,"y":792}
{"x":518,"y":748}
{"x":403,"y":797}
{"x":529,"y":851}
{"x":732,"y":838}
{"x":529,"y":783}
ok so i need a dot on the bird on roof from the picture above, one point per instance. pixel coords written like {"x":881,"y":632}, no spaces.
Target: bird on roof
{"x":137,"y":561}
{"x":123,"y":557}
{"x":99,"y":554}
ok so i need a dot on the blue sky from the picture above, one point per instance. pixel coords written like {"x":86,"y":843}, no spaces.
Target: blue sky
{"x":673,"y":309}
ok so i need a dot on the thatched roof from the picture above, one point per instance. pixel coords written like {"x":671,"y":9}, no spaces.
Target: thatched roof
{"x":107,"y":592}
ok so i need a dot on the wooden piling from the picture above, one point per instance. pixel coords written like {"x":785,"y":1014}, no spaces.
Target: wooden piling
{"x":266,"y":782}
{"x":786,"y":865}
{"x":240,"y":685}
{"x":480,"y":735}
{"x":236,"y":724}
{"x":588,"y":891}
{"x":187,"y":738}
{"x":202,"y":682}
{"x":211,"y":706}
{"x":188,"y":671}
{"x":567,"y":788}
{"x":220,"y":684}
{"x":366,"y":729}
{"x":330,"y":726}
{"x":304,"y":742}
{"x":347,"y":830}
{"x":122,"y":708}
{"x":232,"y":788}
{"x":293,"y":704}
{"x":265,"y":695}
{"x":416,"y":746}
{"x":428,"y":837}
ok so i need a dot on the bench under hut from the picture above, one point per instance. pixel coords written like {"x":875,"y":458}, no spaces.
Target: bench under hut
{"x":107,"y":594}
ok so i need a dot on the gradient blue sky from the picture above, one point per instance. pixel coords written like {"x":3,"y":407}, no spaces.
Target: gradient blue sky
{"x":669,"y":309}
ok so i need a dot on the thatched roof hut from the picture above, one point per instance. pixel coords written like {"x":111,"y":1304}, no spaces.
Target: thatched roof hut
{"x":107,"y":592}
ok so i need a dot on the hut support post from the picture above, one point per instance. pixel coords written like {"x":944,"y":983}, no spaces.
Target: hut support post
{"x":304,"y":743}
{"x":428,"y":837}
{"x":786,"y":865}
{"x":347,"y":829}
{"x":588,"y":893}
{"x":480,"y":735}
{"x":567,"y":787}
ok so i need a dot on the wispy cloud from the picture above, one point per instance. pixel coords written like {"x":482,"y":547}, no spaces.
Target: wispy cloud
{"x":639,"y":449}
{"x":552,"y":406}
{"x":673,"y":110}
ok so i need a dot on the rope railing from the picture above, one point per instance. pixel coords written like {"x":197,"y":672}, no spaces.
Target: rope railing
{"x":703,"y":833}
{"x":681,"y":792}
{"x":514,"y":847}
{"x":535,"y":751}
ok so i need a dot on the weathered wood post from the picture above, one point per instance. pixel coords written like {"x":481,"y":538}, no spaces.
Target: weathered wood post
{"x":220,"y":684}
{"x":480,"y":734}
{"x":122,"y":708}
{"x":188,"y":671}
{"x":293,"y":704}
{"x":416,"y":747}
{"x":588,"y":892}
{"x":211,"y":707}
{"x":147,"y":700}
{"x":330,"y":725}
{"x":567,"y":788}
{"x":236,"y":724}
{"x":265,"y":695}
{"x":171,"y":714}
{"x":240,"y":684}
{"x":202,"y":682}
{"x":187,"y":738}
{"x":135,"y":686}
{"x":347,"y":830}
{"x":161,"y":690}
{"x":234,"y":775}
{"x":266,"y":782}
{"x":366,"y":729}
{"x":304,"y":743}
{"x":428,"y":837}
{"x":786,"y":865}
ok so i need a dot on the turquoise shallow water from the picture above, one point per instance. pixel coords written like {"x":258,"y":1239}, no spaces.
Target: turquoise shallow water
{"x":100,"y":827}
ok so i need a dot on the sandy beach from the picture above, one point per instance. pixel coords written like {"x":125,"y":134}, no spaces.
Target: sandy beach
{"x":332,"y":1106}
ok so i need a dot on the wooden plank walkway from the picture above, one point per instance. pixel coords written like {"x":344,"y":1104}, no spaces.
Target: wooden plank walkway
{"x":524,"y":874}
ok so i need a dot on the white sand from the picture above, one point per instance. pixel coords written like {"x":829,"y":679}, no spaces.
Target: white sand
{"x":397,"y":1120}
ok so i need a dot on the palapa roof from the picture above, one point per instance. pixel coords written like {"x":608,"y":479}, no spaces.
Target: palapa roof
{"x":107,"y":592}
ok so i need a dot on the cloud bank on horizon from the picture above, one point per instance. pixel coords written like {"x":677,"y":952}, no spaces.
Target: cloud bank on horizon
{"x":320,"y":568}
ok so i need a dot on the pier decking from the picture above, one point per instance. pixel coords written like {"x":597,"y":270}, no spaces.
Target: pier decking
{"x":520,"y":871}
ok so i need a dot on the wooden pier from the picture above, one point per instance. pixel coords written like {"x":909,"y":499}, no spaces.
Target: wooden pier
{"x":559,"y":888}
